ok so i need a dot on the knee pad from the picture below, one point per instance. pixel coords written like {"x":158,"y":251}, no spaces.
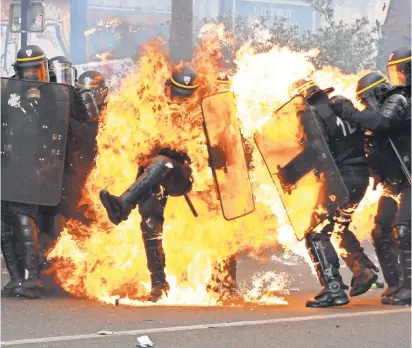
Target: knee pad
{"x":152,"y":228}
{"x":402,"y":236}
{"x":381,"y":235}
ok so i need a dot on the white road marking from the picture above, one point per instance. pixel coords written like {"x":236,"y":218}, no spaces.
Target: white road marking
{"x":203,"y":327}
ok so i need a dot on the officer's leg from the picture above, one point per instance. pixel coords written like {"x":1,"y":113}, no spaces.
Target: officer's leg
{"x":402,"y":236}
{"x":384,"y":244}
{"x":230,"y":293}
{"x":152,"y":212}
{"x":356,"y":181}
{"x":352,"y":253}
{"x":27,"y":232}
{"x":10,"y":258}
{"x":326,"y":262}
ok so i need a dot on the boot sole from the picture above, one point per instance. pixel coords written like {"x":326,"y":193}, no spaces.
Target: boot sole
{"x":366,"y":288}
{"x":32,"y":294}
{"x":8,"y":293}
{"x":335,"y":303}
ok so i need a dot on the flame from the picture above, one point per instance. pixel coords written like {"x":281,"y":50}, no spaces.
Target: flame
{"x":108,"y":262}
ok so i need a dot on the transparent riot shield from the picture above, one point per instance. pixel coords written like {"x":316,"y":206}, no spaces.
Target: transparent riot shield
{"x":226,"y":155}
{"x":34,"y":125}
{"x":301,"y":165}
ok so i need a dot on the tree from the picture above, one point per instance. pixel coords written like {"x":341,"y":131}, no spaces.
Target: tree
{"x":349,"y":46}
{"x":181,"y":31}
{"x":396,"y":30}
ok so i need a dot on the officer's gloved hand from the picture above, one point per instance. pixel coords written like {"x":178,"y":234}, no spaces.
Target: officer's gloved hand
{"x":343,"y":107}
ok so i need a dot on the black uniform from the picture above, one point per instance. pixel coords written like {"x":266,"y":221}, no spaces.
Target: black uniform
{"x":18,"y":219}
{"x":167,"y":173}
{"x":346,"y":144}
{"x":388,"y":108}
{"x":80,"y":150}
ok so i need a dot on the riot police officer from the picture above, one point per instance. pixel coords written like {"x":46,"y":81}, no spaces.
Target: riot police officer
{"x":346,"y":144}
{"x":164,"y":172}
{"x":18,"y":219}
{"x":80,"y":148}
{"x":96,"y":83}
{"x":391,"y":233}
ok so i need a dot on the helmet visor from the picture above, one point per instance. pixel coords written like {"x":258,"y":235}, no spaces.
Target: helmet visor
{"x":396,"y":75}
{"x":370,"y":101}
{"x":34,"y":72}
{"x":64,"y":73}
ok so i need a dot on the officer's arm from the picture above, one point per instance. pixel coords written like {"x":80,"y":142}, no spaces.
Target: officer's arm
{"x":85,"y":106}
{"x":395,"y":108}
{"x":366,"y":119}
{"x":82,"y":131}
{"x":369,"y":120}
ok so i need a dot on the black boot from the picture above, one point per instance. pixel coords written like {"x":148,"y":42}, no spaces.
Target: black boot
{"x":327,"y":269}
{"x":10,"y":258}
{"x":156,"y":262}
{"x":402,"y":236}
{"x":364,"y":274}
{"x":387,"y":254}
{"x":403,"y":296}
{"x":119,"y":208}
{"x":31,"y":286}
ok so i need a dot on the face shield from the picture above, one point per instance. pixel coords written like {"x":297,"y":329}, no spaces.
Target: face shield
{"x":369,"y":101}
{"x":63,"y":73}
{"x":36,"y":71}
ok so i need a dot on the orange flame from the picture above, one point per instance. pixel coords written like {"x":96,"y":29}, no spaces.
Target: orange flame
{"x":108,"y":262}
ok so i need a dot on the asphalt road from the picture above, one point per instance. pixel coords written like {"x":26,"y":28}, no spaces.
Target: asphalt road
{"x":62,"y":321}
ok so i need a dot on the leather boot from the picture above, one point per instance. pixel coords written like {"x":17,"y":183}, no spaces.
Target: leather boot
{"x":333,"y":293}
{"x":156,"y":262}
{"x":31,"y":286}
{"x":403,"y":296}
{"x":387,"y":254}
{"x":402,"y":236}
{"x":10,"y":258}
{"x":364,"y":274}
{"x":119,"y":208}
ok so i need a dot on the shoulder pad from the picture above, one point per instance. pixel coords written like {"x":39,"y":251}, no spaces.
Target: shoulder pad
{"x":392,"y":91}
{"x":394,"y":107}
{"x":85,"y":104}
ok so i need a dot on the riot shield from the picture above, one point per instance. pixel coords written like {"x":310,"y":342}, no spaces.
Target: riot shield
{"x":226,"y":155}
{"x":301,"y":165}
{"x":34,"y":125}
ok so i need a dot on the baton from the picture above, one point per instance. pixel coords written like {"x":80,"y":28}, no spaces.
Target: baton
{"x":191,"y":206}
{"x":403,"y":165}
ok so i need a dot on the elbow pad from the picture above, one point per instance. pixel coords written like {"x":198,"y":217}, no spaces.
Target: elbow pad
{"x":85,"y":105}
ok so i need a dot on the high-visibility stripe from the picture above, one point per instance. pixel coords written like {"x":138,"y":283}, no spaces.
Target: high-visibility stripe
{"x":29,"y":58}
{"x":372,"y":85}
{"x":306,"y":86}
{"x":183,"y":86}
{"x":399,"y":61}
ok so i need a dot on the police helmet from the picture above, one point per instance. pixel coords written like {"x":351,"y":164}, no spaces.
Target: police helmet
{"x":61,"y":70}
{"x":307,"y":87}
{"x":399,"y":67}
{"x":96,"y":83}
{"x":31,"y":64}
{"x":183,"y":82}
{"x":371,"y":88}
